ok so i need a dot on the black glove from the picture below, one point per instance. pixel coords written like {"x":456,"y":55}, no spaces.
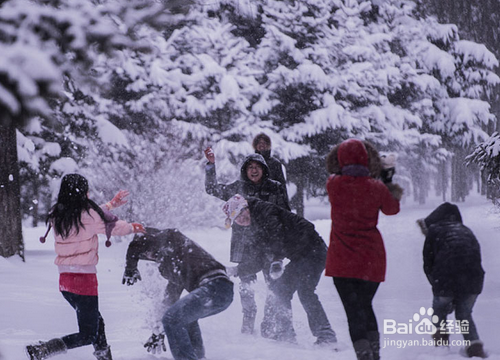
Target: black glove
{"x":387,"y":174}
{"x":276,"y":269}
{"x":156,"y":343}
{"x":131,"y":276}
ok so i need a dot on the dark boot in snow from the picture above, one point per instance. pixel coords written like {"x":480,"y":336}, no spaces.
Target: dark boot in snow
{"x":104,"y":354}
{"x":374,"y":339}
{"x":475,"y":349}
{"x":363,"y":350}
{"x":441,"y":339}
{"x":45,"y":350}
{"x":327,"y":339}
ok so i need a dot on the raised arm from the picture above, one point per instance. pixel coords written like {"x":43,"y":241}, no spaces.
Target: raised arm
{"x":212,"y":187}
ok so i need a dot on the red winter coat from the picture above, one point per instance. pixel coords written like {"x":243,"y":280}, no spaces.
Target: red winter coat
{"x":356,"y":247}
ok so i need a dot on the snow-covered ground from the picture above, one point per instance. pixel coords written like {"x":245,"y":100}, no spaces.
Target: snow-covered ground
{"x":32,"y":309}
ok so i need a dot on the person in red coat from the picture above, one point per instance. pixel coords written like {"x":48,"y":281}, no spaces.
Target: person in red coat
{"x":356,"y":256}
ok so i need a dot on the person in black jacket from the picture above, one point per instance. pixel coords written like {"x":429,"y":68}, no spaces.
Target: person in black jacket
{"x":284,"y":234}
{"x":186,"y":266}
{"x":254,"y":182}
{"x":262,"y":145}
{"x":452,"y":264}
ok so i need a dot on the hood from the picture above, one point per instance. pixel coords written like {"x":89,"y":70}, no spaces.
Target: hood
{"x":258,"y":158}
{"x":445,"y":212}
{"x":374,"y":165}
{"x":352,"y":152}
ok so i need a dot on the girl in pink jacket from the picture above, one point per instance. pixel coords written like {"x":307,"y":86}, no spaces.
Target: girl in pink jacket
{"x":77,"y":221}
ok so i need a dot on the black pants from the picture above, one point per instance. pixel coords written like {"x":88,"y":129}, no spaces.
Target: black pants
{"x":357,"y":296}
{"x":90,"y":322}
{"x":301,"y":276}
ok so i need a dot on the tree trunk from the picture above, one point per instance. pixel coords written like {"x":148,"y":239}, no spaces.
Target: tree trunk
{"x":11,"y":234}
{"x":444,"y":178}
{"x":36,"y":201}
{"x":299,"y":198}
{"x":420,"y":187}
{"x":459,"y":187}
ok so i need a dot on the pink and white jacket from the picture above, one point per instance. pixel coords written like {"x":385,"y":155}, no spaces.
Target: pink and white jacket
{"x":78,"y":253}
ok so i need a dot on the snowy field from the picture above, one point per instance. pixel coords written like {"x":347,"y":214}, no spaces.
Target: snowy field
{"x":32,"y":309}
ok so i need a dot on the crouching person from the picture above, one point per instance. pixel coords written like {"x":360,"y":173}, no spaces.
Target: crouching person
{"x":452,"y":264}
{"x":188,"y":267}
{"x":286,"y":235}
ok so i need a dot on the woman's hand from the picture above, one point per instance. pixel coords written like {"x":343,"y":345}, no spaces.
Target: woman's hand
{"x":118,"y":200}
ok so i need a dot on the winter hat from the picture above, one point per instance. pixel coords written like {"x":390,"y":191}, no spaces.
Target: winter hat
{"x":233,"y":207}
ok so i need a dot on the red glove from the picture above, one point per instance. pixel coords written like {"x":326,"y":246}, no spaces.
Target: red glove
{"x":209,"y":154}
{"x":138,"y":228}
{"x":118,"y":200}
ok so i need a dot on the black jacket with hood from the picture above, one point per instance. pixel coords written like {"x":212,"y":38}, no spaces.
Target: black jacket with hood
{"x":452,"y":255}
{"x":281,"y":233}
{"x":267,"y":190}
{"x":183,"y":262}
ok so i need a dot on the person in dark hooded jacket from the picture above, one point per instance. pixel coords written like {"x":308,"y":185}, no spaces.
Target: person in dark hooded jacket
{"x":356,"y":256}
{"x":452,"y":264}
{"x":262,"y":145}
{"x":254,"y":182}
{"x":284,"y":234}
{"x":186,"y":266}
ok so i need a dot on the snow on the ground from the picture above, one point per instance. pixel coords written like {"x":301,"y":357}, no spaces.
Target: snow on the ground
{"x":32,"y":309}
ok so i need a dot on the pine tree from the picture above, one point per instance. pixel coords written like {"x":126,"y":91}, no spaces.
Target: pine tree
{"x":43,"y":43}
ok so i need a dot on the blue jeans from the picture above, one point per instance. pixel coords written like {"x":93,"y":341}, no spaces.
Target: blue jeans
{"x":181,"y":319}
{"x":90,"y":322}
{"x":443,"y":305}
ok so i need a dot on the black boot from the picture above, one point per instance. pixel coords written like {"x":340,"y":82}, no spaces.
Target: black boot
{"x":45,"y":350}
{"x":363,"y":350}
{"x":374,"y":339}
{"x":104,"y":354}
{"x":476,"y":349}
{"x":441,"y":339}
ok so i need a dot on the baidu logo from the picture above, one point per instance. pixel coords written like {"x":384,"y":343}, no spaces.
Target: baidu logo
{"x":423,"y":322}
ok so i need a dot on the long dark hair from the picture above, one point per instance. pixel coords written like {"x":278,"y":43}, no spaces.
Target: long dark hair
{"x":72,"y":200}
